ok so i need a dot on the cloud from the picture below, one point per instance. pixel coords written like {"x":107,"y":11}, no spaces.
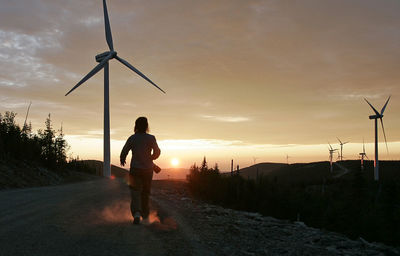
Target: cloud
{"x":229,"y":119}
{"x":20,"y":61}
{"x":92,"y":21}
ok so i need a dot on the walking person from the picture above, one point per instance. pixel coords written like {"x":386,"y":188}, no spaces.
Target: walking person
{"x":144,"y":150}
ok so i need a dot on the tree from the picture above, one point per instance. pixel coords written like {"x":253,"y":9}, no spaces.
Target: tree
{"x":204,"y":165}
{"x":47,"y":138}
{"x":61,"y":147}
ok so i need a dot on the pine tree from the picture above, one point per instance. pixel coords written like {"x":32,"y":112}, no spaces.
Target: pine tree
{"x":47,"y":138}
{"x":204,"y":165}
{"x":61,"y":147}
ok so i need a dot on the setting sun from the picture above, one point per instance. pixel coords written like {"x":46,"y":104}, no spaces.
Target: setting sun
{"x":175,"y":162}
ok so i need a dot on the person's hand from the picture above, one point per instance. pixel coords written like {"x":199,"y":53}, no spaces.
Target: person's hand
{"x":123,"y":162}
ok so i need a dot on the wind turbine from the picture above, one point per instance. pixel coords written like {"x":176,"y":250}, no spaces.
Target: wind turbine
{"x":341,"y":148}
{"x":363,"y":155}
{"x":376,"y":117}
{"x":103,"y":59}
{"x":331,"y":151}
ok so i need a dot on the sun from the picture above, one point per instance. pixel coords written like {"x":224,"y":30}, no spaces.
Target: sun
{"x":175,"y":161}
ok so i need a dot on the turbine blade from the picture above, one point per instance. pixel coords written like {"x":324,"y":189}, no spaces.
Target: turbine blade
{"x":330,"y":145}
{"x":26,"y":117}
{"x":107,"y":27}
{"x":137,"y":72}
{"x":346,"y":142}
{"x":384,"y":135}
{"x":339,"y":140}
{"x":376,"y":112}
{"x":91,"y":73}
{"x":383,"y":109}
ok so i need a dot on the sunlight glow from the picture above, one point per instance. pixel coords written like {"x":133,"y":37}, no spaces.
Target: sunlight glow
{"x":175,"y":162}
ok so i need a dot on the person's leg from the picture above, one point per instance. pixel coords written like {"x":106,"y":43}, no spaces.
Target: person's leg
{"x":147,"y":177}
{"x":136,"y":187}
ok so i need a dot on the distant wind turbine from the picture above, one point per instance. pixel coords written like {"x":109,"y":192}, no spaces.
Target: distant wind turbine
{"x":103,"y":59}
{"x":341,"y":148}
{"x":331,"y":151}
{"x":376,"y":117}
{"x":363,"y":155}
{"x":25,"y":127}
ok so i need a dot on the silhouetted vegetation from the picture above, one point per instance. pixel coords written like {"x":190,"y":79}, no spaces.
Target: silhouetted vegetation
{"x":46,"y":148}
{"x":355,"y":206}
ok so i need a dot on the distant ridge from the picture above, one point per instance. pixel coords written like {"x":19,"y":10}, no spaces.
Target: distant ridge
{"x":118,"y":172}
{"x":317,"y":171}
{"x":260,"y":168}
{"x":171,"y":173}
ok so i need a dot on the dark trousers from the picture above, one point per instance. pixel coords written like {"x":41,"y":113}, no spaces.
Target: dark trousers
{"x":140,"y":185}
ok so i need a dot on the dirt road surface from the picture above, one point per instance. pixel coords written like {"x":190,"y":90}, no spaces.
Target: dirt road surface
{"x":93,"y":218}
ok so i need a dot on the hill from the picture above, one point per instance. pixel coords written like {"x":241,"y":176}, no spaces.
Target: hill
{"x":316,"y":172}
{"x":22,"y":174}
{"x":259,"y":169}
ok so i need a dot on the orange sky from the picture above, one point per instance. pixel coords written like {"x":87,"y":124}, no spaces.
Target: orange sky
{"x":244,"y":79}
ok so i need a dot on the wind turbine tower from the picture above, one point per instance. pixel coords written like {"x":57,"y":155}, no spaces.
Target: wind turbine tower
{"x":341,"y":148}
{"x":103,"y":59}
{"x":331,"y":151}
{"x":376,"y":117}
{"x":363,"y":155}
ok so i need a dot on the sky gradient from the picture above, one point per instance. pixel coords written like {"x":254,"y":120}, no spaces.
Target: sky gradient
{"x":243,"y":79}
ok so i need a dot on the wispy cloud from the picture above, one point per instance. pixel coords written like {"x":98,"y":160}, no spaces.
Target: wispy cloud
{"x":92,"y":21}
{"x":19,"y":57}
{"x":228,"y":119}
{"x":198,"y":144}
{"x":357,"y":96}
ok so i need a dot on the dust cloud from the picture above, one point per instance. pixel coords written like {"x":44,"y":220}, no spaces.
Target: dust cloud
{"x":119,"y":212}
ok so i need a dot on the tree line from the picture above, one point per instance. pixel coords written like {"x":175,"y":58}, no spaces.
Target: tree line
{"x":47,"y":147}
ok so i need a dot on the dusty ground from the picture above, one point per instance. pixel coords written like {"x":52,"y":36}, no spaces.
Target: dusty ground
{"x":93,"y":218}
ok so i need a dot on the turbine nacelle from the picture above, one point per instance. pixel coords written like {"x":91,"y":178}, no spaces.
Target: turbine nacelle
{"x":375,"y":116}
{"x":101,"y":56}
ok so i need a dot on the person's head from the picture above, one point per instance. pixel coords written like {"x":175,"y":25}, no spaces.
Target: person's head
{"x":141,"y":125}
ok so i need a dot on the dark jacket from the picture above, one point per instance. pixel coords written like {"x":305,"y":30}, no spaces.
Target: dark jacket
{"x":144,"y":150}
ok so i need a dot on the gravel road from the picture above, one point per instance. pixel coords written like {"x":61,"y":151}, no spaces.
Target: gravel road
{"x":93,"y":218}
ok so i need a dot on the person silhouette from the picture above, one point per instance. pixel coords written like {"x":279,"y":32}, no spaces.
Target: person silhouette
{"x":144,"y":150}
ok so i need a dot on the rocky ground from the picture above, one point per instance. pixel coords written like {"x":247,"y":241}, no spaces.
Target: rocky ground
{"x":93,"y":218}
{"x":229,"y":232}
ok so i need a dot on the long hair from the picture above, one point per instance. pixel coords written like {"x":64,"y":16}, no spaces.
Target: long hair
{"x":141,"y":125}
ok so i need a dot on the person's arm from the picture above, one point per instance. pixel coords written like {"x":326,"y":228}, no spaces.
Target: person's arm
{"x":156,"y":150}
{"x":125,"y":151}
